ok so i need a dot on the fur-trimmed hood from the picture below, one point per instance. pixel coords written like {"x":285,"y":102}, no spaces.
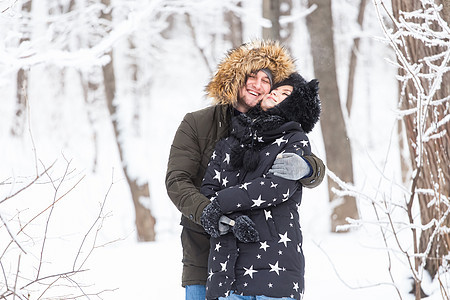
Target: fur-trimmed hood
{"x":240,"y":62}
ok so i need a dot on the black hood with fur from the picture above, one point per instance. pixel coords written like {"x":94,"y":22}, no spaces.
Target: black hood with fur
{"x":302,"y":105}
{"x":255,"y":129}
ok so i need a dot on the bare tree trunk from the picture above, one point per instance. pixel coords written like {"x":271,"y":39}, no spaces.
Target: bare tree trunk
{"x":434,"y":170}
{"x":89,"y":88}
{"x":287,"y":30}
{"x":200,"y":48}
{"x":134,"y":68}
{"x":19,"y":122}
{"x":235,"y":25}
{"x":145,"y":222}
{"x":271,"y":11}
{"x":337,"y":144}
{"x":354,"y":58}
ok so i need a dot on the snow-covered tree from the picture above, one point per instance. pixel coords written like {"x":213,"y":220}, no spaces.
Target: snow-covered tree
{"x":420,"y":36}
{"x":414,"y":218}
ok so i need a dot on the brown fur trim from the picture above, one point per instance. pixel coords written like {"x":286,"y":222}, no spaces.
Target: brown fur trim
{"x":241,"y":61}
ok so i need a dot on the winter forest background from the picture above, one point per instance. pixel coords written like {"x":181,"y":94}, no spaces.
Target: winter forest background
{"x":92,"y":92}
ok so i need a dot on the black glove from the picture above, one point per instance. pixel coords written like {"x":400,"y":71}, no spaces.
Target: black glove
{"x":244,"y":230}
{"x":210,"y":219}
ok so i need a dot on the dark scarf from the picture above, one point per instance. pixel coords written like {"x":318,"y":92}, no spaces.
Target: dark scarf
{"x":255,"y":130}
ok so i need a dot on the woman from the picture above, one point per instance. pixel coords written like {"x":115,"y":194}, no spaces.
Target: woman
{"x":262,"y":255}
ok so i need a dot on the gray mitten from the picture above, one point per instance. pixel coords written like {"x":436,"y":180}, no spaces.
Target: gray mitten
{"x":210,"y":219}
{"x":290,"y":166}
{"x":244,"y":230}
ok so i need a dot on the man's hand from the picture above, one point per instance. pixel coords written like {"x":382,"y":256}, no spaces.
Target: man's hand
{"x":290,"y":166}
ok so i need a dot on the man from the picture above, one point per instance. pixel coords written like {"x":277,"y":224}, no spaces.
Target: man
{"x":242,"y":79}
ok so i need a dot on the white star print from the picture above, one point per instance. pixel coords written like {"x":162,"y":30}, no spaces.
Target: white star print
{"x":296,"y":287}
{"x":211,"y":273}
{"x":286,"y":196}
{"x":218,"y":246}
{"x":258,"y":202}
{"x":262,"y":183}
{"x":249,"y":271}
{"x":264,"y":246}
{"x":258,"y":256}
{"x":260,"y":139}
{"x":245,"y":284}
{"x":284,"y":239}
{"x":304,"y":143}
{"x":224,"y":266}
{"x":227,"y":158}
{"x":238,"y":205}
{"x":279,"y":141}
{"x":275,"y":268}
{"x":244,"y":185}
{"x":280,"y":252}
{"x":267,"y":153}
{"x":217,"y":175}
{"x":225,"y":181}
{"x":213,"y":156}
{"x":270,"y":285}
{"x":268,"y":214}
{"x":273,"y":185}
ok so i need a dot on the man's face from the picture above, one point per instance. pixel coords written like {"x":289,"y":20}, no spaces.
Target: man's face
{"x":257,"y":85}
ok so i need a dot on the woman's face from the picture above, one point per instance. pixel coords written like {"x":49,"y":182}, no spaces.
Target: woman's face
{"x":276,"y":96}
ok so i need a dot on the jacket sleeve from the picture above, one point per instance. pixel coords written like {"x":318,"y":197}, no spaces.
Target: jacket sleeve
{"x":183,"y":166}
{"x":258,"y":193}
{"x":211,"y":181}
{"x":267,"y":190}
{"x":318,"y":171}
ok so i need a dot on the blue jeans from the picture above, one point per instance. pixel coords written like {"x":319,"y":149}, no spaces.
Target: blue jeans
{"x":238,"y":297}
{"x":195,"y":292}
